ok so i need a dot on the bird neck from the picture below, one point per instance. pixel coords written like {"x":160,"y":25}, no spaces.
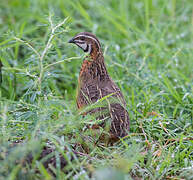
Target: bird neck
{"x":93,"y":68}
{"x":96,"y":54}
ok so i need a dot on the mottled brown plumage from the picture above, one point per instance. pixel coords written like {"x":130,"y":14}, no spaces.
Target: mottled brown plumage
{"x":95,"y":83}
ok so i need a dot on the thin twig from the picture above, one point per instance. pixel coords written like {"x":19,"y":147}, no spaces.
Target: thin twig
{"x":58,"y":62}
{"x":48,"y":46}
{"x":26,"y":43}
{"x":141,"y":126}
{"x":81,"y":154}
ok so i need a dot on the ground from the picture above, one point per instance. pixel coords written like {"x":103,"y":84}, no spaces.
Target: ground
{"x":148,"y":52}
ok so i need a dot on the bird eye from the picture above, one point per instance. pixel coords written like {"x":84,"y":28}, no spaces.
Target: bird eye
{"x":82,"y":38}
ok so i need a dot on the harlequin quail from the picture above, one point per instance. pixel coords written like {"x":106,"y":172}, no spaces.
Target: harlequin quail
{"x":95,"y":83}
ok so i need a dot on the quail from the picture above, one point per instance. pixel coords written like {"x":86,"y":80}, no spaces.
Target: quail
{"x":95,"y":84}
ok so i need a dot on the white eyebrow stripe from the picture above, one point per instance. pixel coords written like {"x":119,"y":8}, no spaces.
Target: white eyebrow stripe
{"x":89,"y":37}
{"x":78,"y":41}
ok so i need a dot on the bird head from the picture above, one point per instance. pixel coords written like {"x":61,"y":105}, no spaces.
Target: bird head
{"x":87,"y":42}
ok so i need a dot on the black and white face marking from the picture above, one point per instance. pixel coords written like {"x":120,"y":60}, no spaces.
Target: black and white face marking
{"x":84,"y":42}
{"x":81,"y":44}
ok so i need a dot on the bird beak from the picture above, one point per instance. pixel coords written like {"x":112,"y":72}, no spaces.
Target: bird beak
{"x":71,"y":41}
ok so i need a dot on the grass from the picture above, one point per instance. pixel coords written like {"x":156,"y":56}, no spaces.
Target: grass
{"x":148,"y":52}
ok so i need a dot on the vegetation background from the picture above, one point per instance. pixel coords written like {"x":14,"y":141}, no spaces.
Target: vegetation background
{"x":148,"y":49}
